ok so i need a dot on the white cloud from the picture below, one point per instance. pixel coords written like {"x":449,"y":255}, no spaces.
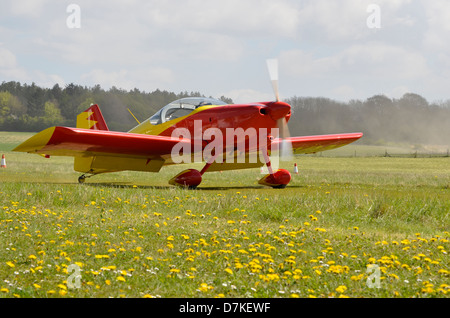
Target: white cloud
{"x":28,"y":8}
{"x":324,"y":47}
{"x":356,"y":71}
{"x":333,"y":20}
{"x":384,"y":61}
{"x":231,"y":17}
{"x":344,"y":21}
{"x":399,"y":91}
{"x":126,"y":79}
{"x":344,"y":92}
{"x":373,"y":59}
{"x":7,"y":59}
{"x":299,"y":63}
{"x":9,"y":69}
{"x":437,"y":34}
{"x":241,"y":96}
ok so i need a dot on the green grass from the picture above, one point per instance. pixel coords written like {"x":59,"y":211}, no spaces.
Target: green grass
{"x":132,"y":235}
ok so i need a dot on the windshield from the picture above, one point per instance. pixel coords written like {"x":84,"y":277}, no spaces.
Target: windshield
{"x":182,"y":107}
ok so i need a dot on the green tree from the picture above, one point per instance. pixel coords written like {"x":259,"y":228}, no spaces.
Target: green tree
{"x":10,"y":105}
{"x":52,"y":114}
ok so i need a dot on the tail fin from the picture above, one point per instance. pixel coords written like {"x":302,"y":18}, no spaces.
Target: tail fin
{"x":92,"y":118}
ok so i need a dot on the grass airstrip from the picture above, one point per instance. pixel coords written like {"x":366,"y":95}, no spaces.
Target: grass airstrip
{"x":346,"y":226}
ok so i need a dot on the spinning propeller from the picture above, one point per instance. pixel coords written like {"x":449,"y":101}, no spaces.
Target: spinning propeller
{"x":286,"y":152}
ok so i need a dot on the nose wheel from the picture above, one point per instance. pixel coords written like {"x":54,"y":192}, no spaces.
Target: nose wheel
{"x":278,"y":179}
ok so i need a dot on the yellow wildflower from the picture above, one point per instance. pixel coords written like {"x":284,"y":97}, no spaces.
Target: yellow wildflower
{"x":229,"y":271}
{"x":341,"y":289}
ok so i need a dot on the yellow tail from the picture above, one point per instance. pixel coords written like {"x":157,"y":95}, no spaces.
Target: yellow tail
{"x":92,"y":118}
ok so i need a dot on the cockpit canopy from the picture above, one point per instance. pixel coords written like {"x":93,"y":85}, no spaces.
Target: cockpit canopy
{"x":182,"y":107}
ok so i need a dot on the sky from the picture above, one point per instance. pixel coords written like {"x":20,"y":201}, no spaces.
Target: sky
{"x":341,"y":49}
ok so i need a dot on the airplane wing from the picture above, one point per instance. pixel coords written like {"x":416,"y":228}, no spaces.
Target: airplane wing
{"x":313,"y":144}
{"x":65,"y":141}
{"x":102,"y":151}
{"x":300,"y":145}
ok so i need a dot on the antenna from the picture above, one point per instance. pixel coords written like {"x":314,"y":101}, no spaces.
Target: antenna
{"x":134,"y":116}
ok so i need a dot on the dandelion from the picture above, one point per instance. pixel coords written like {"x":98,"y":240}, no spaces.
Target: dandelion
{"x":101,"y":256}
{"x":10,"y":264}
{"x":444,"y":272}
{"x":121,"y":279}
{"x":357,"y":278}
{"x":341,"y":289}
{"x":205,"y":287}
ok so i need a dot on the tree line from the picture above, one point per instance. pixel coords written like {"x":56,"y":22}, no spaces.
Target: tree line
{"x":409,"y":119}
{"x":32,"y":108}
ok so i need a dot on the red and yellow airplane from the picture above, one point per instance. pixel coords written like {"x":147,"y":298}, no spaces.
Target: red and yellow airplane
{"x":186,"y":125}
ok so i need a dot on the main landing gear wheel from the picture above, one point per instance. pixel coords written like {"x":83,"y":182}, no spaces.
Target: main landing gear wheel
{"x":190,"y":179}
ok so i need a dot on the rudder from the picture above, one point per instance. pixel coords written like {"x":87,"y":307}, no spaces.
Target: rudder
{"x":92,"y":118}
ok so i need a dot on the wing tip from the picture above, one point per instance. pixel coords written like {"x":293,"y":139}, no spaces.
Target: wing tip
{"x":36,"y":142}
